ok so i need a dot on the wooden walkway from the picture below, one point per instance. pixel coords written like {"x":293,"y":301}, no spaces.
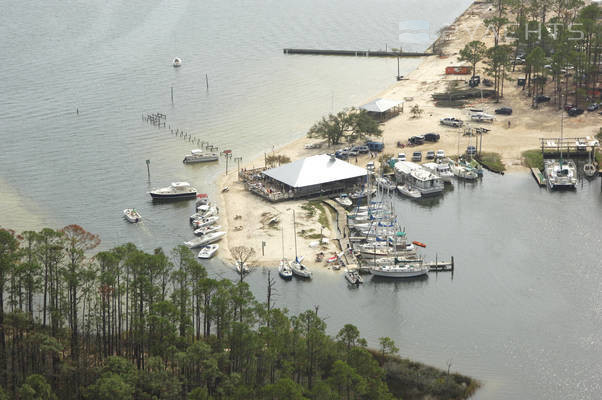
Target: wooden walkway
{"x":342,"y":233}
{"x":441,"y":266}
{"x":541,"y":180}
{"x":355,"y":53}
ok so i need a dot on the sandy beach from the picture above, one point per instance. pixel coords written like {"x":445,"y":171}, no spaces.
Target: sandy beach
{"x":244,"y":214}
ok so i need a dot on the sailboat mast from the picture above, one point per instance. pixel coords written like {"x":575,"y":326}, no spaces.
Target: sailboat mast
{"x":295,"y":231}
{"x":282,"y":231}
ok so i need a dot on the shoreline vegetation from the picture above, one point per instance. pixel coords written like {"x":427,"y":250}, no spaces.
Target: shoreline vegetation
{"x":126,"y":324}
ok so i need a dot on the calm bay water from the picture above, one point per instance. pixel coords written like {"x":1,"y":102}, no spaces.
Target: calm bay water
{"x":523,"y":312}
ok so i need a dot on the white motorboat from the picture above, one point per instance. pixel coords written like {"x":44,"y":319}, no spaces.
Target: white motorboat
{"x":176,"y":191}
{"x":300,"y":270}
{"x":204,"y":211}
{"x":208,"y":251}
{"x":205,"y":239}
{"x":440,"y":169}
{"x":400,"y":270}
{"x":560,"y":174}
{"x":409,"y":191}
{"x":199,"y":156}
{"x":284,"y":270}
{"x":461,"y":172}
{"x":132,"y":215}
{"x":344,"y":200}
{"x":207,"y":229}
{"x":177,"y":62}
{"x":384,"y":183}
{"x":202,"y":222}
{"x":353,"y":277}
{"x":201,"y":199}
{"x":360,"y":194}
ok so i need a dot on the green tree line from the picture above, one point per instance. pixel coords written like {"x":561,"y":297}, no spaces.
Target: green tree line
{"x":127,"y":324}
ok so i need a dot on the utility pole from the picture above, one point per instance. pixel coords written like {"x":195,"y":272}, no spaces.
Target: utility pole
{"x":238,"y":160}
{"x":227,"y":155}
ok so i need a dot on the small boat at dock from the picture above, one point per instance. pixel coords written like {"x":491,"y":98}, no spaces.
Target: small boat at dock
{"x":207,"y":229}
{"x":284,"y":270}
{"x":400,"y":271}
{"x":560,"y":174}
{"x":344,"y":200}
{"x":205,"y":239}
{"x":300,"y":270}
{"x":202,"y":222}
{"x":208,"y":251}
{"x":353,"y":277}
{"x":409,"y":191}
{"x":132,"y":215}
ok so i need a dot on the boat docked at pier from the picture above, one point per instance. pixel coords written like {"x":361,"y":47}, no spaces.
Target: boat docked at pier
{"x":344,"y":200}
{"x":400,"y":270}
{"x":199,"y":156}
{"x":560,"y":174}
{"x":176,"y":191}
{"x":409,"y":191}
{"x":284,"y":269}
{"x":419,"y":178}
{"x":353,"y":277}
{"x":462,"y":172}
{"x":207,"y":229}
{"x":440,"y":169}
{"x":384,"y":183}
{"x":208,"y":251}
{"x":205,"y":239}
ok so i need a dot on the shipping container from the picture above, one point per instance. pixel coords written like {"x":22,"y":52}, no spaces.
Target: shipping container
{"x":461,"y":70}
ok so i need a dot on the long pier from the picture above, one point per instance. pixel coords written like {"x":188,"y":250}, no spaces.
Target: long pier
{"x":356,"y":53}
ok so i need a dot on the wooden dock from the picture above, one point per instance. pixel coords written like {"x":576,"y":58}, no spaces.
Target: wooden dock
{"x":441,"y":266}
{"x":539,"y":178}
{"x":355,"y":53}
{"x":342,"y":233}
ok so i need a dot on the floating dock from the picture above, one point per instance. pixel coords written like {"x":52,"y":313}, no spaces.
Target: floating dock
{"x":355,"y":53}
{"x":440,"y":266}
{"x":539,"y":178}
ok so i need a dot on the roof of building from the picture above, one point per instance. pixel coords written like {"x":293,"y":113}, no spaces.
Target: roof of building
{"x":314,"y":170}
{"x":381,"y":105}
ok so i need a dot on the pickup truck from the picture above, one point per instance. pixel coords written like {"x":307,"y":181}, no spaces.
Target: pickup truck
{"x":450,"y":121}
{"x":481,"y":117}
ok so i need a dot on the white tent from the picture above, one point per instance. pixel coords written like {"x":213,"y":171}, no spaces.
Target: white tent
{"x":315,"y":170}
{"x":381,"y":105}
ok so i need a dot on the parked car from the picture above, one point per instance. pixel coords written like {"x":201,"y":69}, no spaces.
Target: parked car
{"x":504,"y":111}
{"x":416,"y":140}
{"x":542,"y":99}
{"x":363,"y":149}
{"x":401,"y":157}
{"x":487,"y":82}
{"x":482,"y":117}
{"x":474,"y":81}
{"x":471,"y":150}
{"x":370,"y":166}
{"x":440,"y":154}
{"x":593,"y":107}
{"x":573,"y":112}
{"x":568,"y":106}
{"x":343,"y":155}
{"x":431,"y":137}
{"x":450,"y":121}
{"x":417,"y":156}
{"x":430,"y":155}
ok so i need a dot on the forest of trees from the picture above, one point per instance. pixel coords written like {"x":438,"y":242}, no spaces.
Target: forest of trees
{"x":127,"y":324}
{"x":557,"y":43}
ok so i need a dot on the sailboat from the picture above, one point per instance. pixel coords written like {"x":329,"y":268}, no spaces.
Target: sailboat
{"x":560,"y":174}
{"x":297,"y":267}
{"x":284,"y":270}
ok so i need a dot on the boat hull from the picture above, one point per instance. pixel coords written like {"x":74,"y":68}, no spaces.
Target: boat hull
{"x":398,"y":272}
{"x":173,"y":196}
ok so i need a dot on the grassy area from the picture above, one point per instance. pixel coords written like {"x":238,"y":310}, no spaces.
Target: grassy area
{"x":598,"y":156}
{"x":313,"y":206}
{"x":493,"y":161}
{"x":533,"y":159}
{"x":412,"y":380}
